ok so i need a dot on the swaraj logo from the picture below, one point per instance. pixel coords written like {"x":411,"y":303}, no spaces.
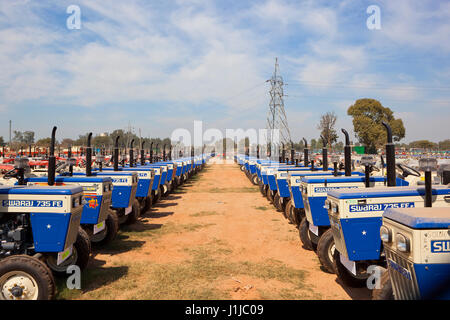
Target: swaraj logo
{"x":92,"y":202}
{"x":379,"y":206}
{"x":440,"y":246}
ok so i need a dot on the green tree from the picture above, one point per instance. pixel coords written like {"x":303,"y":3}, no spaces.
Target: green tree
{"x":45,"y":142}
{"x":367,"y":117}
{"x":423,"y":144}
{"x":28,"y":137}
{"x":444,"y":145}
{"x":327,"y":127}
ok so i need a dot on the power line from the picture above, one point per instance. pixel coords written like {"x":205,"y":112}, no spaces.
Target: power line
{"x":370,"y":86}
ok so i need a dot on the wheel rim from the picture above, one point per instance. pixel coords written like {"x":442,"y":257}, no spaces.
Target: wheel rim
{"x":51,"y":261}
{"x":18,"y":285}
{"x":331,"y":251}
{"x":99,"y":236}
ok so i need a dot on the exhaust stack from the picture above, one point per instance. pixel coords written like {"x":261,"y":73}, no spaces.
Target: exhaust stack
{"x":347,"y":154}
{"x":151,"y":152}
{"x":324,"y":154}
{"x":116,"y":154}
{"x":142,"y":153}
{"x":390,"y":156}
{"x":89,"y":156}
{"x":305,"y":153}
{"x":131,"y":152}
{"x":52,"y":160}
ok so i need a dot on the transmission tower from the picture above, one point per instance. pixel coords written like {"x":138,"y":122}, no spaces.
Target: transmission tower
{"x":276,"y":118}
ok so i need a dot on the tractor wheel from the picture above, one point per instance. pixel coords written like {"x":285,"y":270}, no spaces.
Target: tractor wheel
{"x":81,"y":252}
{"x":147,"y":204}
{"x":276,"y":202}
{"x":287,"y":209}
{"x":25,"y":278}
{"x":168,"y":189}
{"x":134,"y":214}
{"x":303,"y":231}
{"x":242,"y":168}
{"x":385,"y":292}
{"x":255,"y":179}
{"x":109,"y":233}
{"x":325,"y":250}
{"x":270,"y":195}
{"x":297,"y":216}
{"x":346,"y":276}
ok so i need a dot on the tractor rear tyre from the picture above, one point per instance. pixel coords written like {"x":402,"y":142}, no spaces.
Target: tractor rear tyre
{"x":325,"y":250}
{"x":25,"y":277}
{"x":109,"y":233}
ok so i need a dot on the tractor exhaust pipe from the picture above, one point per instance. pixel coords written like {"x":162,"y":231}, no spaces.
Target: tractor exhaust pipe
{"x":170,"y":152}
{"x":69,"y":156}
{"x":89,"y":156}
{"x":257,"y":151}
{"x":305,"y":153}
{"x":164,"y":152}
{"x":292,"y":153}
{"x":131,"y":153}
{"x":142,"y":153}
{"x":151,"y":152}
{"x":52,"y":160}
{"x":116,"y":154}
{"x":390,"y":156}
{"x":283,"y":154}
{"x":324,"y":154}
{"x":347,"y":154}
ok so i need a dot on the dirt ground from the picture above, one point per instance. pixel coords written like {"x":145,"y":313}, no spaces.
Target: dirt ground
{"x":216,"y":237}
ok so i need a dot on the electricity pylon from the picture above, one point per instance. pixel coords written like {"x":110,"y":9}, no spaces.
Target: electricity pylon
{"x":276,"y":118}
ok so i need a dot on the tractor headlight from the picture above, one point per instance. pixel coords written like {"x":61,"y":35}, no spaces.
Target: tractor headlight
{"x":334,"y":208}
{"x":327,"y":205}
{"x":385,"y":234}
{"x":402,"y":243}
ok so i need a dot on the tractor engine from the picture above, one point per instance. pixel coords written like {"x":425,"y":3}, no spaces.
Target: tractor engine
{"x":14,"y":234}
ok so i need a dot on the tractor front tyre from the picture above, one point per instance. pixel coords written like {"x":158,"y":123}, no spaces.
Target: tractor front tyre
{"x":25,"y":278}
{"x":134,"y":214}
{"x":385,"y":292}
{"x":255,"y":179}
{"x":287,"y":210}
{"x":81,"y":252}
{"x":346,"y":276}
{"x":303,"y":231}
{"x":325,"y":250}
{"x":109,"y":233}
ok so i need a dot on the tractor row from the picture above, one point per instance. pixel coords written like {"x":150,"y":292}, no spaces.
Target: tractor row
{"x":49,"y":223}
{"x":384,"y":227}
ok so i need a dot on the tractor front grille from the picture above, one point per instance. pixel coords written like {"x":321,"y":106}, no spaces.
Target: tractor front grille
{"x":403,"y":279}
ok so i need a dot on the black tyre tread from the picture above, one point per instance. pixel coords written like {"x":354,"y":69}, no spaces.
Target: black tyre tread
{"x":112,"y":223}
{"x":287,"y":209}
{"x":276,"y":202}
{"x":325,"y":241}
{"x":385,"y":292}
{"x":36,"y":268}
{"x":344,"y":275}
{"x":84,"y":249}
{"x":303,"y":233}
{"x":134,"y":214}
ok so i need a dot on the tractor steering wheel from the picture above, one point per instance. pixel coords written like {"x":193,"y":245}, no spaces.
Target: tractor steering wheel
{"x":406,"y":171}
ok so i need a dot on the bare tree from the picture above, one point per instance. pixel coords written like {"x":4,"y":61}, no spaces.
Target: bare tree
{"x":326,"y":127}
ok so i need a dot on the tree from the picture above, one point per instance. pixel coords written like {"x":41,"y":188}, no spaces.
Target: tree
{"x":45,"y":142}
{"x":367,"y":117}
{"x":65,"y":143}
{"x":28,"y":137}
{"x":423,"y":144}
{"x":313,"y":144}
{"x":2,"y":142}
{"x":443,"y":145}
{"x":326,"y":127}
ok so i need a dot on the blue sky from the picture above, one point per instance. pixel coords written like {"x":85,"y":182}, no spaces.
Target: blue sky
{"x":160,"y":65}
